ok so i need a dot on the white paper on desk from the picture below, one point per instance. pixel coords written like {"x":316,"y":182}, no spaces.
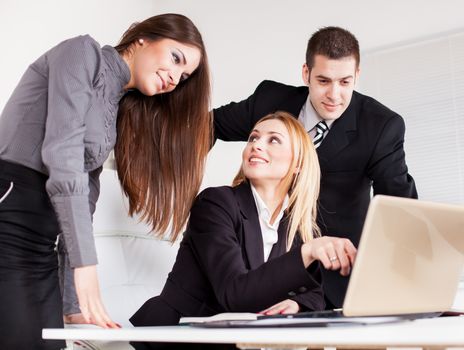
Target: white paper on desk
{"x":225,"y":316}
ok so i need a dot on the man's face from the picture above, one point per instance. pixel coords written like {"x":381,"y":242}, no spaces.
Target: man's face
{"x":331,"y":84}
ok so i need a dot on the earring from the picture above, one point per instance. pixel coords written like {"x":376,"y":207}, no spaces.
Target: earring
{"x":140,"y":41}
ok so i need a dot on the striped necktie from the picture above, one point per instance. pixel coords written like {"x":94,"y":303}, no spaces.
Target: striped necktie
{"x":321,"y":128}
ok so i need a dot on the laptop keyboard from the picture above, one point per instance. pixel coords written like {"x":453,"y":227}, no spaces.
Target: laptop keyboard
{"x":338,"y":313}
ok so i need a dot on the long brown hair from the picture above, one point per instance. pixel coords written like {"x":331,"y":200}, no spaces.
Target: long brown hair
{"x":163,"y":140}
{"x":301,"y":182}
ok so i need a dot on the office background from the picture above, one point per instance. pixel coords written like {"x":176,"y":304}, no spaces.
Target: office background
{"x":412,"y":61}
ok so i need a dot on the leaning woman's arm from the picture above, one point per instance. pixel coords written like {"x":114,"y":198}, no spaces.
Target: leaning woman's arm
{"x":72,"y":66}
{"x":212,"y":233}
{"x":68,"y":290}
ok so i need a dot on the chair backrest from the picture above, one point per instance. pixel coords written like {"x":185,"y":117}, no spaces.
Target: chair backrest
{"x":133,"y":265}
{"x":132,"y":268}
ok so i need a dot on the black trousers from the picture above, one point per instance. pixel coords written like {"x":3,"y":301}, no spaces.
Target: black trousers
{"x":30,"y":297}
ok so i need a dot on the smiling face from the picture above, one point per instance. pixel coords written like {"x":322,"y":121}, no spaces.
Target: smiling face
{"x":159,"y":66}
{"x":268,"y":154}
{"x":331,"y":83}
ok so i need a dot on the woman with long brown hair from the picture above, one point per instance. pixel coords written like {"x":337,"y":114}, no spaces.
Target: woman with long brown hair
{"x":253,"y":246}
{"x":148,"y":98}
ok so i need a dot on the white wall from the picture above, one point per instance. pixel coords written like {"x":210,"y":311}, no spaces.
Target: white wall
{"x":252,"y":40}
{"x":247,"y":41}
{"x":28,"y":28}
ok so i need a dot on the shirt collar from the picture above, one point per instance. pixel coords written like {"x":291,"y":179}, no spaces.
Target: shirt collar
{"x":118,"y":70}
{"x":263,"y":210}
{"x":309,"y":117}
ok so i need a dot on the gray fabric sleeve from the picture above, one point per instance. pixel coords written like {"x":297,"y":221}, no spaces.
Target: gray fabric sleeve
{"x":68,"y":290}
{"x":72,"y":69}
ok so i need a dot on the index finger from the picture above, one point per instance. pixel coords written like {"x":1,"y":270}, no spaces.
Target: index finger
{"x":350,"y":251}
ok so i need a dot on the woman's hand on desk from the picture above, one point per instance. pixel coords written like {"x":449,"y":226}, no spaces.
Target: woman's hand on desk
{"x":284,"y":307}
{"x":334,"y":253}
{"x":88,"y":294}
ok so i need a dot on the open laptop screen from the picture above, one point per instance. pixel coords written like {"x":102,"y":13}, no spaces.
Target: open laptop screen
{"x":410,"y":258}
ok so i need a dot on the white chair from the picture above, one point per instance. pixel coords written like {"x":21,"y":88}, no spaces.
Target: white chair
{"x":133,"y":265}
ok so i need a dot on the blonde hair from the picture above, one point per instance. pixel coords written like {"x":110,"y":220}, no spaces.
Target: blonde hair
{"x":301,"y":182}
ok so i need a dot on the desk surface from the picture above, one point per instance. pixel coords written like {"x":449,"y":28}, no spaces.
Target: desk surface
{"x":438,"y":332}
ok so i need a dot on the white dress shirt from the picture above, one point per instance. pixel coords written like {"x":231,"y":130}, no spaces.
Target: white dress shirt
{"x":268,"y":230}
{"x":309,"y":118}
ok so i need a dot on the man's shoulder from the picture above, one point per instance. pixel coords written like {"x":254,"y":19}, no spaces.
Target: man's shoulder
{"x":369,"y":106}
{"x":275,"y":86}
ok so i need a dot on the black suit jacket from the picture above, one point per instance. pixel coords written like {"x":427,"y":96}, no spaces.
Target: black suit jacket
{"x":220,"y":264}
{"x":363,"y":150}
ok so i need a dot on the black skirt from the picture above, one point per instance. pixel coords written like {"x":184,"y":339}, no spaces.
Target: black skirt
{"x":30,"y":297}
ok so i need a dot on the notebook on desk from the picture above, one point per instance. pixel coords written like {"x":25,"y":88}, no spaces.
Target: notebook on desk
{"x":409,"y":263}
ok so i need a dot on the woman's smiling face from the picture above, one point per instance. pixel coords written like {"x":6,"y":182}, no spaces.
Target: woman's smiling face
{"x":159,"y":66}
{"x":268,"y":154}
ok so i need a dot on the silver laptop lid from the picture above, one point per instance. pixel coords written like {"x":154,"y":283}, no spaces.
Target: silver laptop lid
{"x":410,"y":258}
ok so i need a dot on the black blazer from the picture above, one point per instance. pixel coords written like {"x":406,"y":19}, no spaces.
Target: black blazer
{"x":363,"y":149}
{"x":220,"y":265}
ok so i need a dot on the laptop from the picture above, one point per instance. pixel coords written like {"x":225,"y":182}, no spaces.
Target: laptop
{"x":409,"y":262}
{"x":410,"y":258}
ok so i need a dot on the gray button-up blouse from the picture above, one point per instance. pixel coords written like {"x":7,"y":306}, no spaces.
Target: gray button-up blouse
{"x":61,"y":121}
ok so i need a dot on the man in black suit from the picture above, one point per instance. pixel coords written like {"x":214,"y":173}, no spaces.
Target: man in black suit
{"x":362,"y":140}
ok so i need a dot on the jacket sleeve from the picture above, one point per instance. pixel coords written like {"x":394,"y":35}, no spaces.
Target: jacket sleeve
{"x":313,"y":299}
{"x":387,"y":165}
{"x":212,"y":233}
{"x":233,"y":122}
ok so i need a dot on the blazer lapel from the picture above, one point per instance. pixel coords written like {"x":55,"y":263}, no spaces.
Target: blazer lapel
{"x":251,"y":229}
{"x":340,"y":133}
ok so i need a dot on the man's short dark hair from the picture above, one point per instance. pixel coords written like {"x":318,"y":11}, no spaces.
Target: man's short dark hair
{"x":334,"y":43}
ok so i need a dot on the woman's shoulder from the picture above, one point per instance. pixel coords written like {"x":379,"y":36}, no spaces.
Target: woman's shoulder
{"x":79,"y":55}
{"x":80,"y":47}
{"x":81,"y":41}
{"x":216,"y":194}
{"x":213,"y":205}
{"x":226,"y":198}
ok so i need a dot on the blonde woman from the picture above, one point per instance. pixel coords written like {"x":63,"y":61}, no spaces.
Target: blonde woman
{"x":255,"y":246}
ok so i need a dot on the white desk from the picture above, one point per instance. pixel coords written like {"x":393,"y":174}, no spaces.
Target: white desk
{"x":438,"y":333}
